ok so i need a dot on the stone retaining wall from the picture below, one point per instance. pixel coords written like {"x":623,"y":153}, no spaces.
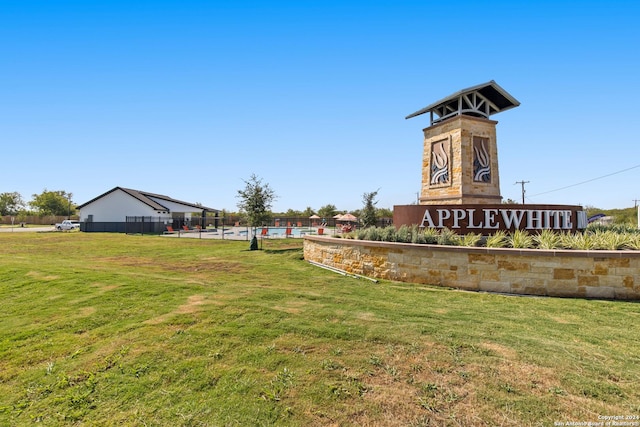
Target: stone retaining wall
{"x":558,"y":273}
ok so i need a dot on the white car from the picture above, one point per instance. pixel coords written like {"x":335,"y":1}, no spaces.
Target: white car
{"x":68,"y":225}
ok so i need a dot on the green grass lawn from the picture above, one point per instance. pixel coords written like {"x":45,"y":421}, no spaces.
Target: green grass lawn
{"x":110,"y":329}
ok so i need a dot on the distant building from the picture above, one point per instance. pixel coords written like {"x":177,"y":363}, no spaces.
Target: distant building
{"x":125,"y":210}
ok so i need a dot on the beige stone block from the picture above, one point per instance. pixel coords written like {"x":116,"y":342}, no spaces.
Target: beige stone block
{"x":618,"y":262}
{"x":627,"y":294}
{"x":483,"y":267}
{"x":472,"y":271}
{"x":490,"y":276}
{"x":534,"y":289}
{"x":545,"y":262}
{"x":600,"y":292}
{"x":494,"y":286}
{"x":396,"y":257}
{"x":542,"y":271}
{"x":475,"y":258}
{"x":563,"y":273}
{"x":468,"y":285}
{"x":560,"y":288}
{"x":624,"y":271}
{"x":512,"y":265}
{"x":612,"y":281}
{"x":600,"y":268}
{"x":588,"y":280}
{"x":576,"y":262}
{"x":426,"y":259}
{"x":411,"y":259}
{"x":450,"y":277}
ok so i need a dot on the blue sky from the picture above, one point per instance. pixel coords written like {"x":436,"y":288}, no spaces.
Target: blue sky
{"x":189,"y":98}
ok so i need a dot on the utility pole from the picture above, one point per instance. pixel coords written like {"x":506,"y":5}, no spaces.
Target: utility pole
{"x":522,"y":183}
{"x":635,"y":205}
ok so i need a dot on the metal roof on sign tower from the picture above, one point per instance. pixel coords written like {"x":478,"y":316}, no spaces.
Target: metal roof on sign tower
{"x":478,"y":101}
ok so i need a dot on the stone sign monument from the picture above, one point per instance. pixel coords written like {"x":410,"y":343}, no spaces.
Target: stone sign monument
{"x":460,"y":180}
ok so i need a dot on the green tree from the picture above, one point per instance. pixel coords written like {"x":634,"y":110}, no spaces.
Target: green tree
{"x":11,"y":203}
{"x":308,"y":212}
{"x":53,"y":203}
{"x":368,"y":213}
{"x":384,"y":213}
{"x":292,"y":212}
{"x":255,"y":204}
{"x":327,"y":211}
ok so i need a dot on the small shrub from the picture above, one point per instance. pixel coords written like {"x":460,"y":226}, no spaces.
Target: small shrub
{"x":497,"y":240}
{"x":471,"y":239}
{"x":430,"y":236}
{"x":634,"y":241}
{"x":520,"y":239}
{"x":417,"y":234}
{"x":373,"y":233}
{"x":403,"y":234}
{"x":611,"y":240}
{"x":582,"y":241}
{"x":595,"y":237}
{"x":388,"y":234}
{"x":547,"y":239}
{"x":448,"y":237}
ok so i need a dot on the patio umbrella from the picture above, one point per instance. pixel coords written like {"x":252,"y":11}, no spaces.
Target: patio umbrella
{"x":348,"y":217}
{"x":313,"y":219}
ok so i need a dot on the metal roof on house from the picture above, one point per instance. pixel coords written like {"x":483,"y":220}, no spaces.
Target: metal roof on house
{"x":481,"y":100}
{"x":148,"y":199}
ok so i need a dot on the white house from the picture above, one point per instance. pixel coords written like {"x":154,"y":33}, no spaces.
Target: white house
{"x":127,"y":210}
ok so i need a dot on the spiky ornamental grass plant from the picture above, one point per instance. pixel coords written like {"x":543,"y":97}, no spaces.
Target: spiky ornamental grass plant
{"x":403,"y":234}
{"x":373,"y":233}
{"x":582,"y":241}
{"x":610,"y":240}
{"x":634,"y":241}
{"x":520,"y":239}
{"x":593,"y":238}
{"x":497,"y":240}
{"x":547,"y":239}
{"x":389,"y":234}
{"x":430,"y":236}
{"x":361,"y":234}
{"x":417,"y":234}
{"x":448,"y":237}
{"x":470,"y":239}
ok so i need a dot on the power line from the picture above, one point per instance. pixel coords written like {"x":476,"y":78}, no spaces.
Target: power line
{"x":589,"y":180}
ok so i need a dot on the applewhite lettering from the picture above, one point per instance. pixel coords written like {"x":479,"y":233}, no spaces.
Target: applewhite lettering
{"x":493,"y":219}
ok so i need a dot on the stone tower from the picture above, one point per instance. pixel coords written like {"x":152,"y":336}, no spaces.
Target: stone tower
{"x":460,"y":157}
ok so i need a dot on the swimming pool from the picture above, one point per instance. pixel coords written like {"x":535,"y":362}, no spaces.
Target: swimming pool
{"x":280,"y":231}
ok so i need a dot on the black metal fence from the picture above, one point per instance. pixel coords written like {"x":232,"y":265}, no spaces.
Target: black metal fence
{"x":160,"y":225}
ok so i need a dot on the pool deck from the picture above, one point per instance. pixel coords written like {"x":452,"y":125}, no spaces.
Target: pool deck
{"x":245,"y":233}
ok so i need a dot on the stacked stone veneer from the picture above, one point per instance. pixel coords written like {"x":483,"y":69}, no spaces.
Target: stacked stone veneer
{"x":459,"y":132}
{"x":559,"y":273}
